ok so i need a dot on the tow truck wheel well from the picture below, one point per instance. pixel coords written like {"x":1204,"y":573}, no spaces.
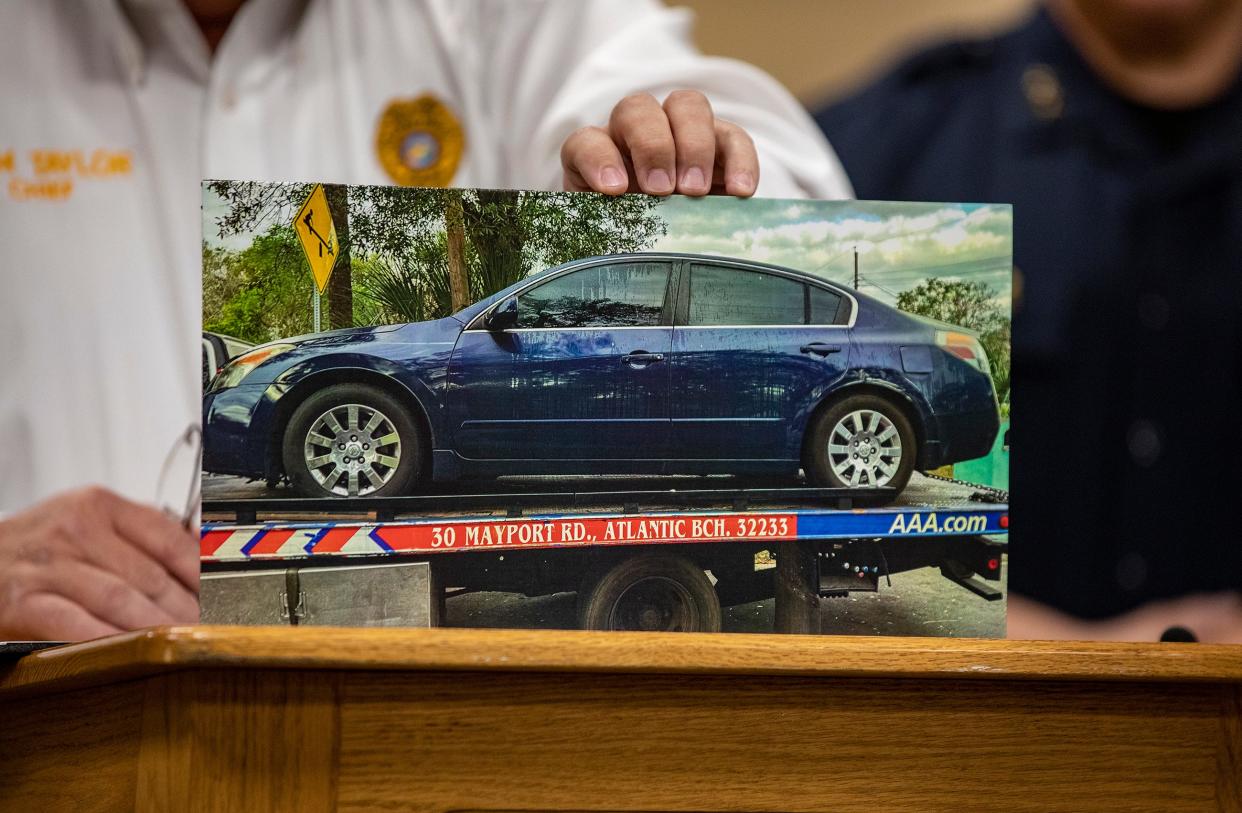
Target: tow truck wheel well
{"x":896,"y":399}
{"x":304,"y":389}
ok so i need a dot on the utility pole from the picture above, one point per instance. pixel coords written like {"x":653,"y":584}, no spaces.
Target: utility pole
{"x":855,"y":268}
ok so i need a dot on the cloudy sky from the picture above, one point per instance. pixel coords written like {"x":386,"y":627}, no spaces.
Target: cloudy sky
{"x":899,"y":244}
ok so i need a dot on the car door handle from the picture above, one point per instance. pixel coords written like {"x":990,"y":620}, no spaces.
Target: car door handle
{"x":820,"y":349}
{"x":641,"y":358}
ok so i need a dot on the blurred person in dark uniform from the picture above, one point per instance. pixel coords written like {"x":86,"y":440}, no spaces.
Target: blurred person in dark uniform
{"x":1114,"y":127}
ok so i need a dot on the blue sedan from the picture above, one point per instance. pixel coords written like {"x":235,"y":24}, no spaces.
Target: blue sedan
{"x":624,"y":364}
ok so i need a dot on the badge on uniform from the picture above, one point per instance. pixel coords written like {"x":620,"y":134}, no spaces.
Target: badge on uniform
{"x":419,"y":141}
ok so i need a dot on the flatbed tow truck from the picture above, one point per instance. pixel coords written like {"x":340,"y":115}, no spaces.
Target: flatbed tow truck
{"x":638,"y":558}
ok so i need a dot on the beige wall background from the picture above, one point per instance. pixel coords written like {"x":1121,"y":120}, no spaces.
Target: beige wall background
{"x":822,"y":48}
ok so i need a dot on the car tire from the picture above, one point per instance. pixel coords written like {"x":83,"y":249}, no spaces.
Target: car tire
{"x":652,"y":592}
{"x":827,"y":461}
{"x":298,"y":449}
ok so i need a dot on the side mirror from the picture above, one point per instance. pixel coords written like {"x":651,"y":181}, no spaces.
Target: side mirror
{"x":504,"y":316}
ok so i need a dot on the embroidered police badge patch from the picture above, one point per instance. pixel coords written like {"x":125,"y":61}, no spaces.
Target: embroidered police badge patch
{"x":419,"y":141}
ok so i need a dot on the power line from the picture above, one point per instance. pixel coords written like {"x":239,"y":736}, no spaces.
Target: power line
{"x":875,"y":284}
{"x":941,"y":271}
{"x":830,"y":260}
{"x":908,"y":276}
{"x":998,"y":258}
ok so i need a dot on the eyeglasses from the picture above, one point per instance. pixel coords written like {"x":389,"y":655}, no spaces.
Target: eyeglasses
{"x":179,"y":490}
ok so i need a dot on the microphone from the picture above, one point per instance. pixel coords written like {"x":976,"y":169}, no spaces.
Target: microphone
{"x":1179,"y":635}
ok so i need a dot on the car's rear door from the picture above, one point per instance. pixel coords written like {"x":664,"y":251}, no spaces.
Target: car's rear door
{"x":583,"y":376}
{"x":747,"y":365}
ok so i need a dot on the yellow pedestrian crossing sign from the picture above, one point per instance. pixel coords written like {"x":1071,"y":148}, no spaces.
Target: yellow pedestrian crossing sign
{"x":315,"y":229}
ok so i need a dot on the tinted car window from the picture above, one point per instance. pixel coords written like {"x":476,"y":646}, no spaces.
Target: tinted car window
{"x":725,"y":296}
{"x":825,"y":307}
{"x":208,"y":370}
{"x":618,"y":295}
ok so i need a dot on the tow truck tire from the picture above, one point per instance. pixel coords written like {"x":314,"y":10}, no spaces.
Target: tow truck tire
{"x":847,"y":425}
{"x":653,"y":592}
{"x":370,"y":448}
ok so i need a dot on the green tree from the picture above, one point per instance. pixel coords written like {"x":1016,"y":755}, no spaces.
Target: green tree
{"x":221,"y":282}
{"x":412,"y":288}
{"x":971,"y":305}
{"x":241,"y":316}
{"x":996,"y":343}
{"x":967,"y":304}
{"x":253,"y":206}
{"x":508,"y":235}
{"x":394,"y":238}
{"x":261,"y":293}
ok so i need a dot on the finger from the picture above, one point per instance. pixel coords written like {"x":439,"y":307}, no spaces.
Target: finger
{"x":104,"y":595}
{"x":639,"y":125}
{"x":52,"y":617}
{"x":124,"y":559}
{"x":160,"y":536}
{"x":737,"y":162}
{"x":591,"y":162}
{"x":146,"y":575}
{"x":694,"y":136}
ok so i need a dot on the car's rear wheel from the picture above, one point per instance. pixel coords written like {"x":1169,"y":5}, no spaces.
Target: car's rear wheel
{"x":652,"y":593}
{"x":862,"y":441}
{"x":352,"y":440}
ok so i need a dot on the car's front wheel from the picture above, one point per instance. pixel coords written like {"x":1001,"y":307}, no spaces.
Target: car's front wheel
{"x":862,"y":441}
{"x":352,"y":440}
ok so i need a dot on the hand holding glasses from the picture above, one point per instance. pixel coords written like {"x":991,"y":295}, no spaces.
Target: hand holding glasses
{"x":90,"y":562}
{"x":179,"y":490}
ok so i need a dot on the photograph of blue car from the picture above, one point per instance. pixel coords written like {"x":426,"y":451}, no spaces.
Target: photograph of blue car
{"x":632,"y":363}
{"x":408,"y":341}
{"x":572,"y":410}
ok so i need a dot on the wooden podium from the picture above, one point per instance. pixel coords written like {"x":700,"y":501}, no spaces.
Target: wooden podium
{"x":310,"y":719}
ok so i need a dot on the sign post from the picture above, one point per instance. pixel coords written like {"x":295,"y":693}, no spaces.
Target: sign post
{"x":317,"y":234}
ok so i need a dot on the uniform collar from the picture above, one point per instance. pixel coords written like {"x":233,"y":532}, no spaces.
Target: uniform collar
{"x":1092,"y":112}
{"x":1083,"y":101}
{"x":136,"y":27}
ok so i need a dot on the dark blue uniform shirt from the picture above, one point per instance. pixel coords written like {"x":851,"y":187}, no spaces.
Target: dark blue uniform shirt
{"x":1127,"y":398}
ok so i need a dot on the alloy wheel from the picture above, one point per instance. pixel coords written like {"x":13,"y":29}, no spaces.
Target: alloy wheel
{"x":864,"y":449}
{"x":352,"y":450}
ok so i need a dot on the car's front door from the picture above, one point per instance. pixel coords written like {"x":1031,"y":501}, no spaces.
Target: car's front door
{"x":751,"y":351}
{"x":584,"y":374}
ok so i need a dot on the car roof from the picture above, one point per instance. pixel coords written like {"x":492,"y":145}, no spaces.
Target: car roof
{"x":473,"y":310}
{"x":858,"y":296}
{"x":683,"y":256}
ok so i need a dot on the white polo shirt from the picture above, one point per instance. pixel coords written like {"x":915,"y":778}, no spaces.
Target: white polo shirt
{"x":113,"y":112}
